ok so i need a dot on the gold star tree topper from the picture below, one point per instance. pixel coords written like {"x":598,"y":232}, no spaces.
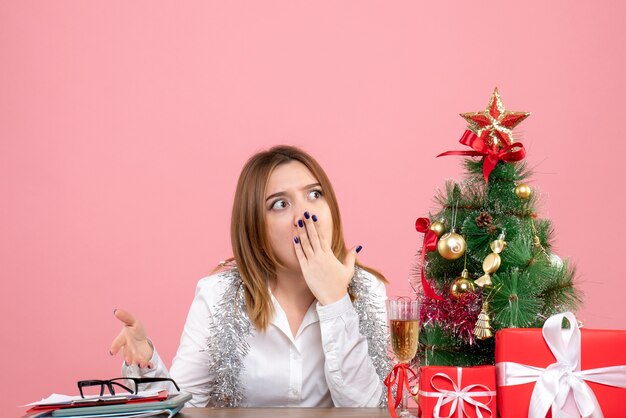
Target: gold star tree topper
{"x":495,"y":124}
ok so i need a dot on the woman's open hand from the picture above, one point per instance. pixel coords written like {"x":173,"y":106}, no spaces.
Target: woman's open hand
{"x":326,"y":276}
{"x":132,"y":340}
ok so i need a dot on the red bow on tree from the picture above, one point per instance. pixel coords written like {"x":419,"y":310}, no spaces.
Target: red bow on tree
{"x":492,"y":156}
{"x":430,"y":244}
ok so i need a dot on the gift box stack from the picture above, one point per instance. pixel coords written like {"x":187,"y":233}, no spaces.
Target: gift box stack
{"x":557,"y":371}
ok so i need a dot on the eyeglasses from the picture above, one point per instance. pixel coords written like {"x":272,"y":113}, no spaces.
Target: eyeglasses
{"x":129,"y":384}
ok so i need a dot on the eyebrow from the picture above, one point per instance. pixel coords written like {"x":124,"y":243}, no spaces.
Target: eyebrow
{"x":310,"y":186}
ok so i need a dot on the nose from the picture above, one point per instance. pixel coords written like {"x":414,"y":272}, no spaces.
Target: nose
{"x":298,"y":212}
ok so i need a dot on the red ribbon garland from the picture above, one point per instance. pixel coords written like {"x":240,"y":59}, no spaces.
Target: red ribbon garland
{"x":398,"y":376}
{"x":481,"y":148}
{"x":430,"y":244}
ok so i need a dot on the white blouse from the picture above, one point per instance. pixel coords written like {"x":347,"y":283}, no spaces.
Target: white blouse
{"x":325,"y":364}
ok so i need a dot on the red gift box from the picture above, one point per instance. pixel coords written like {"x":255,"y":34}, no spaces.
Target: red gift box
{"x":457,"y":391}
{"x":566,"y":366}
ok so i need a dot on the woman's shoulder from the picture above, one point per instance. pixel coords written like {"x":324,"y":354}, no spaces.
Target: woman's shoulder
{"x":368,"y":278}
{"x":212,"y":287}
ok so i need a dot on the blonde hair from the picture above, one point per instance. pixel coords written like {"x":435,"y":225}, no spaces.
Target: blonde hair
{"x":252,"y":251}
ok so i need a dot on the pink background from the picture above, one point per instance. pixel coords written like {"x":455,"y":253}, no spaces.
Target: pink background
{"x":124,"y":125}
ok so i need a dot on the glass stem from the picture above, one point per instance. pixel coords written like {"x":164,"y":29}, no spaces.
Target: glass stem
{"x":405,"y":400}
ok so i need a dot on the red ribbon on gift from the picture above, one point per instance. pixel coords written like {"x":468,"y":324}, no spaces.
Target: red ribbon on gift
{"x":481,"y":148}
{"x":398,"y":376}
{"x":430,"y":244}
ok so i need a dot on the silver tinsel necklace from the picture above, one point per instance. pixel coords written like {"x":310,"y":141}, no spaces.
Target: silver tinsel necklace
{"x":227,"y":344}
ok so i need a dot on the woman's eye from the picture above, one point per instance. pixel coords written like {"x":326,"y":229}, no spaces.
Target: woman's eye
{"x":279,"y":204}
{"x":315,"y":194}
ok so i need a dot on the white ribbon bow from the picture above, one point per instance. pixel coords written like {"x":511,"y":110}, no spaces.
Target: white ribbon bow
{"x":555,"y":381}
{"x":460,"y":396}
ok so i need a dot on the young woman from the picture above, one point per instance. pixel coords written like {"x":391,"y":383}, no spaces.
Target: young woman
{"x":294,"y":320}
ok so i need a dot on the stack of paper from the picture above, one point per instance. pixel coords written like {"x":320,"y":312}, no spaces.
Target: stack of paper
{"x":125,"y":405}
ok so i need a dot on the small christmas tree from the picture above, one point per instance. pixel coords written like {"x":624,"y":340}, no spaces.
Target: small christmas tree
{"x":486,"y":262}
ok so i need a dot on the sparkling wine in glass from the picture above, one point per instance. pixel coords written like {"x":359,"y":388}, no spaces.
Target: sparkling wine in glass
{"x":404,"y":333}
{"x":404,"y":314}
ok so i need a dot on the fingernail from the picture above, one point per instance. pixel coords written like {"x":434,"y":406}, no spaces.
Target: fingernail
{"x":359,"y":248}
{"x":306,"y":215}
{"x":114,"y":310}
{"x":296,"y":240}
{"x":110,"y":352}
{"x":314,"y":217}
{"x":300,"y":223}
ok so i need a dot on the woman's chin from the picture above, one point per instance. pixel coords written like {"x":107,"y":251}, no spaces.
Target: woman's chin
{"x":290,"y":266}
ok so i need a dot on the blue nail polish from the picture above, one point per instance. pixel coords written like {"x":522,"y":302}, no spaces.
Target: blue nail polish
{"x":300,"y":223}
{"x":314,"y":217}
{"x":306,"y":215}
{"x":296,"y":240}
{"x":359,"y":248}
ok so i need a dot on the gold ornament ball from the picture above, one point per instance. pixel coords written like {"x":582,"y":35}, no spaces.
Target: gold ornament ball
{"x":438,"y":228}
{"x":461,"y":286}
{"x":523,"y":191}
{"x":451,"y":246}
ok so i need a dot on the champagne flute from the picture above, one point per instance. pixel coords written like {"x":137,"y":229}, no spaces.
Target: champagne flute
{"x":404,"y":315}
